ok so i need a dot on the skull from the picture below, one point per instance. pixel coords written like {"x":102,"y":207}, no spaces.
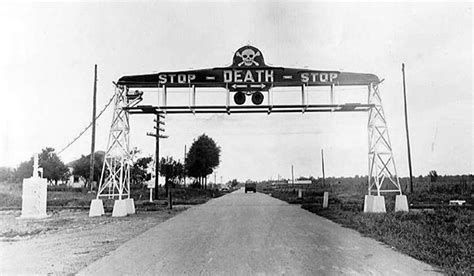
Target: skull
{"x":248,"y":56}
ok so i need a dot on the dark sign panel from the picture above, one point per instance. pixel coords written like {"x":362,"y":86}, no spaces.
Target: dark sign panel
{"x":248,"y":72}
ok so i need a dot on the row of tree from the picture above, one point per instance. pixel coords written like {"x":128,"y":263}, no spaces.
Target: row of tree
{"x":54,"y":170}
{"x":202,"y":158}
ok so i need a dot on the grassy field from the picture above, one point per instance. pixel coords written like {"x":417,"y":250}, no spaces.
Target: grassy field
{"x":439,"y":234}
{"x":66,"y":197}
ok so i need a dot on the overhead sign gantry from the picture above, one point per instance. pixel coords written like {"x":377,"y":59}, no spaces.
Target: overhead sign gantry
{"x":250,"y":76}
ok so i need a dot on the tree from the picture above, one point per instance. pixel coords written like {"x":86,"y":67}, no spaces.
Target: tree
{"x":202,"y":158}
{"x":233,"y":183}
{"x":433,"y":176}
{"x":24,"y":170}
{"x":53,"y":168}
{"x":6,"y":174}
{"x":81,"y":167}
{"x":139,"y":172}
{"x":172,"y":171}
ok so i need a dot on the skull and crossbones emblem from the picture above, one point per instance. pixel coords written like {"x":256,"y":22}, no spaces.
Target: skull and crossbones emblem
{"x":248,"y":55}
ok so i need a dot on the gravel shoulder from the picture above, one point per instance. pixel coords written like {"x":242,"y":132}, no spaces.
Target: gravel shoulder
{"x":68,"y":240}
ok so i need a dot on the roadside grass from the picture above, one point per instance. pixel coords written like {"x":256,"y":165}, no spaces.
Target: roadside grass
{"x":443,"y":236}
{"x":67,"y":197}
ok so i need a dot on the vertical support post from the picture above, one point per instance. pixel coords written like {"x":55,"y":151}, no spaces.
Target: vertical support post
{"x":94,"y":98}
{"x":227,"y":100}
{"x":332,"y":96}
{"x":303,"y":98}
{"x":193,"y":98}
{"x":117,"y":158}
{"x":165,"y":97}
{"x":382,"y":171}
{"x":410,"y":186}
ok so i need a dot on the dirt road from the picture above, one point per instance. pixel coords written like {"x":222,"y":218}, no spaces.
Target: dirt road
{"x":67,"y":241}
{"x":242,"y":234}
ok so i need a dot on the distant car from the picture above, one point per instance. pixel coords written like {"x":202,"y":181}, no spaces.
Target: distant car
{"x":250,"y":187}
{"x":225,"y":189}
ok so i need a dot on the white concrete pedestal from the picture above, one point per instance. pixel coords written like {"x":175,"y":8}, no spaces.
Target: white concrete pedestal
{"x":120,"y":208}
{"x":326,"y":200}
{"x":130,"y":206}
{"x":33,"y":205}
{"x":368,"y":203}
{"x":97,"y":208}
{"x":401,"y":203}
{"x":300,"y":193}
{"x":374,"y":204}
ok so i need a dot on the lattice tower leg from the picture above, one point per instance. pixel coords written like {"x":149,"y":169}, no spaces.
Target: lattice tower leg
{"x":115,"y":177}
{"x":382,"y":176}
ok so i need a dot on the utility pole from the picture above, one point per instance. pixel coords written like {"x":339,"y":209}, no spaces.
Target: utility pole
{"x":157,"y":136}
{"x":91,"y":162}
{"x":322,"y":164}
{"x":410,"y":186}
{"x":292,"y":176}
{"x":185,"y":152}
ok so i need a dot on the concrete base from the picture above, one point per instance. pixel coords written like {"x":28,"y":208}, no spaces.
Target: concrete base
{"x":120,"y":208}
{"x":374,"y":204}
{"x":34,"y":196}
{"x":130,"y":206}
{"x":33,"y":217}
{"x":97,"y":208}
{"x":401,"y":203}
{"x":368,"y":203}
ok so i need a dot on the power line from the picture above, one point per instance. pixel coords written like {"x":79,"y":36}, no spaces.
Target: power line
{"x":82,"y":132}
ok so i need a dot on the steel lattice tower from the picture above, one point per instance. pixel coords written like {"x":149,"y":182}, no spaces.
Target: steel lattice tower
{"x":115,"y":177}
{"x":382,"y":171}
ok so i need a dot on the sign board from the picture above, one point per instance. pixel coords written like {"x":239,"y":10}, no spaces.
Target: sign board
{"x":248,"y":72}
{"x":151,"y":183}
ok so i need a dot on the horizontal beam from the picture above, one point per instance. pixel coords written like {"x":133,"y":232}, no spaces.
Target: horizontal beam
{"x":148,"y":109}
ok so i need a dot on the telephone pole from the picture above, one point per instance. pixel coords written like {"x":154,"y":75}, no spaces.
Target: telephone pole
{"x":185,"y":152}
{"x":292,"y":176}
{"x":157,"y":136}
{"x":410,"y":186}
{"x":91,"y":162}
{"x":322,"y":164}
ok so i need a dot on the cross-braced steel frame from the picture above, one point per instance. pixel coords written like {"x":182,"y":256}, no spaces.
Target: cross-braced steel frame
{"x":115,"y":179}
{"x":382,"y":173}
{"x":115,"y":176}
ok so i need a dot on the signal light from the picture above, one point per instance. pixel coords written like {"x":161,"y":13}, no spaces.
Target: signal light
{"x":257,"y":98}
{"x":239,"y":98}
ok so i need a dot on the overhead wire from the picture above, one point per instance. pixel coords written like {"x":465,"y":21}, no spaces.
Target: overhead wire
{"x":82,"y":132}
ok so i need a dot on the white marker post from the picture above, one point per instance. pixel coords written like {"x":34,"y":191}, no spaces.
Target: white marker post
{"x":34,"y":194}
{"x":151,"y":185}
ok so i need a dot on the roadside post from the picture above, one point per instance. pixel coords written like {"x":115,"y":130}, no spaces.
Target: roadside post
{"x":325,"y":200}
{"x":151,"y":185}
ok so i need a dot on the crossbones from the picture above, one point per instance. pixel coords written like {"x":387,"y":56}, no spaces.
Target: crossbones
{"x":248,"y":56}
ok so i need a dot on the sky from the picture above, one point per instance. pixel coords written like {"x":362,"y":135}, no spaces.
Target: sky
{"x":48,"y":52}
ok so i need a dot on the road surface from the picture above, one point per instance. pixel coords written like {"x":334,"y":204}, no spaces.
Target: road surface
{"x":253,"y":234}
